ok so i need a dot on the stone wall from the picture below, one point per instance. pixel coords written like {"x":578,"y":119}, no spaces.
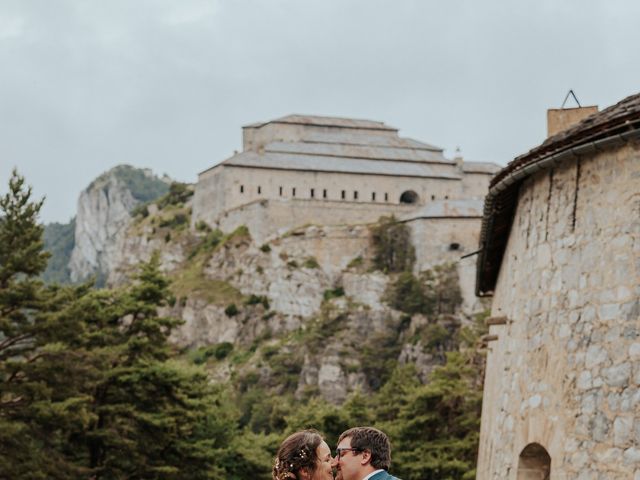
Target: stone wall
{"x":270,"y":218}
{"x":446,"y":240}
{"x":564,"y":373}
{"x":226,"y":187}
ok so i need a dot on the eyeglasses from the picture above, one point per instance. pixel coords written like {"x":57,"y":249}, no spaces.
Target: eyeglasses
{"x":340,"y":450}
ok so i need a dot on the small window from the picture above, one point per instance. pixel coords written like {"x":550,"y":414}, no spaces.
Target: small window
{"x":324,"y":193}
{"x":454,"y":246}
{"x":293,"y":192}
{"x":241,"y":188}
{"x":313,"y":193}
{"x":259,"y":190}
{"x":386,"y":197}
{"x":373,"y":196}
{"x":344,"y":194}
{"x":433,"y":197}
{"x":355,"y":195}
{"x":280,"y":191}
{"x":446,"y":197}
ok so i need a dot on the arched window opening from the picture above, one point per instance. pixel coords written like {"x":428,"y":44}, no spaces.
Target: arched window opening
{"x":534,"y":463}
{"x":324,"y":193}
{"x":241,"y":188}
{"x":409,"y":197}
{"x":373,"y":196}
{"x":313,"y":193}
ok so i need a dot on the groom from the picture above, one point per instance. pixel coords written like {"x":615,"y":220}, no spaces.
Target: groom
{"x":363,"y":453}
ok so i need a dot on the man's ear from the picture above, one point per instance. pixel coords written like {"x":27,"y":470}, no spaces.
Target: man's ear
{"x":366,"y":457}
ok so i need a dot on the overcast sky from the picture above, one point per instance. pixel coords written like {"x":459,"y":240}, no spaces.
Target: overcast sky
{"x":89,"y":84}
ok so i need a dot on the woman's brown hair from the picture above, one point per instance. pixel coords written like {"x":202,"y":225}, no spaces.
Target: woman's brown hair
{"x":298,"y":451}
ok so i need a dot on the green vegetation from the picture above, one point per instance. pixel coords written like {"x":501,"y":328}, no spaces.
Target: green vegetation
{"x":219,"y":351}
{"x":434,"y":291}
{"x":141,"y":183}
{"x":258,"y":299}
{"x":59,"y":240}
{"x":91,"y":388}
{"x":178,"y":193}
{"x":265,"y":248}
{"x":310,"y":262}
{"x":80,"y":385}
{"x":231,"y":310}
{"x":333,"y":293}
{"x":356,"y":262}
{"x":393,"y":251}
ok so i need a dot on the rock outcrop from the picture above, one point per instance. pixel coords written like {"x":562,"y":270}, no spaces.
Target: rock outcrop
{"x":104,"y":212}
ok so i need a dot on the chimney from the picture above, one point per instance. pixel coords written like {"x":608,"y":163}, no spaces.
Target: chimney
{"x":559,"y":119}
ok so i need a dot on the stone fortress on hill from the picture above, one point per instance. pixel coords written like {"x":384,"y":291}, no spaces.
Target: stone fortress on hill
{"x":300,"y":170}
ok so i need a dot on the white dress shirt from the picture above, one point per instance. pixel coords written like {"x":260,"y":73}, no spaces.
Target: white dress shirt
{"x":372,"y":474}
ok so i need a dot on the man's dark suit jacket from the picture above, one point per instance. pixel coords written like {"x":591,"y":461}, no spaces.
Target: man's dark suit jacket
{"x":384,"y":475}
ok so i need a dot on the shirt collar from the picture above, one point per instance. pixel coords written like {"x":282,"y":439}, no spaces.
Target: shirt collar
{"x":372,"y":474}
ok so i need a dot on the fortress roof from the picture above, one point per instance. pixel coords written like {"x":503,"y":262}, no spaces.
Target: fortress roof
{"x":312,"y":162}
{"x":302,"y":143}
{"x":321,"y":121}
{"x":609,"y":128}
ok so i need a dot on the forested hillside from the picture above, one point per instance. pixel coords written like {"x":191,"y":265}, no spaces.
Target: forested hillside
{"x":105,"y":383}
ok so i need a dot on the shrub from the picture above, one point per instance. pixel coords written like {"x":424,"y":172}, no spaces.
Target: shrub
{"x":393,"y":251}
{"x":256,"y":299}
{"x":222,"y":350}
{"x":356,"y":262}
{"x":177,"y":220}
{"x":231,"y":310}
{"x":311,"y":262}
{"x":265,"y":248}
{"x":408,"y":295}
{"x":202,"y":226}
{"x":333,"y":293}
{"x":178,"y":194}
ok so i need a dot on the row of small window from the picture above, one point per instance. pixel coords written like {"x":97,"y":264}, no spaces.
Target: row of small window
{"x":312,"y":193}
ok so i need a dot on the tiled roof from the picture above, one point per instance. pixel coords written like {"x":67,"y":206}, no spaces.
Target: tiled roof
{"x":316,"y":163}
{"x":358,"y":151}
{"x":606,"y":129}
{"x":327,"y":122}
{"x":368,"y":138}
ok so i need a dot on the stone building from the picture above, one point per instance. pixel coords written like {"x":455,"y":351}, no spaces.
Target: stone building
{"x":300,"y":170}
{"x":560,"y":254}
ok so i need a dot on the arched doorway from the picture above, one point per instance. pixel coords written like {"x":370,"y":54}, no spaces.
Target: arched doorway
{"x":534,"y":463}
{"x":409,"y":197}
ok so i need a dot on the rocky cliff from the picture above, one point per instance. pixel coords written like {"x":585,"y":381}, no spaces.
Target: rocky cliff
{"x":306,"y":312}
{"x":104,"y":211}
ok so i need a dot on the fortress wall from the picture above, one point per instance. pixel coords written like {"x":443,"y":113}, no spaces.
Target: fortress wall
{"x":269,"y":218}
{"x":435,"y":241}
{"x":475,"y":185}
{"x":209,"y":198}
{"x":566,"y":372}
{"x":270,"y":182}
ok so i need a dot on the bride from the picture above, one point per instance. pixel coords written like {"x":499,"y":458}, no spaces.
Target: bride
{"x":303,"y":455}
